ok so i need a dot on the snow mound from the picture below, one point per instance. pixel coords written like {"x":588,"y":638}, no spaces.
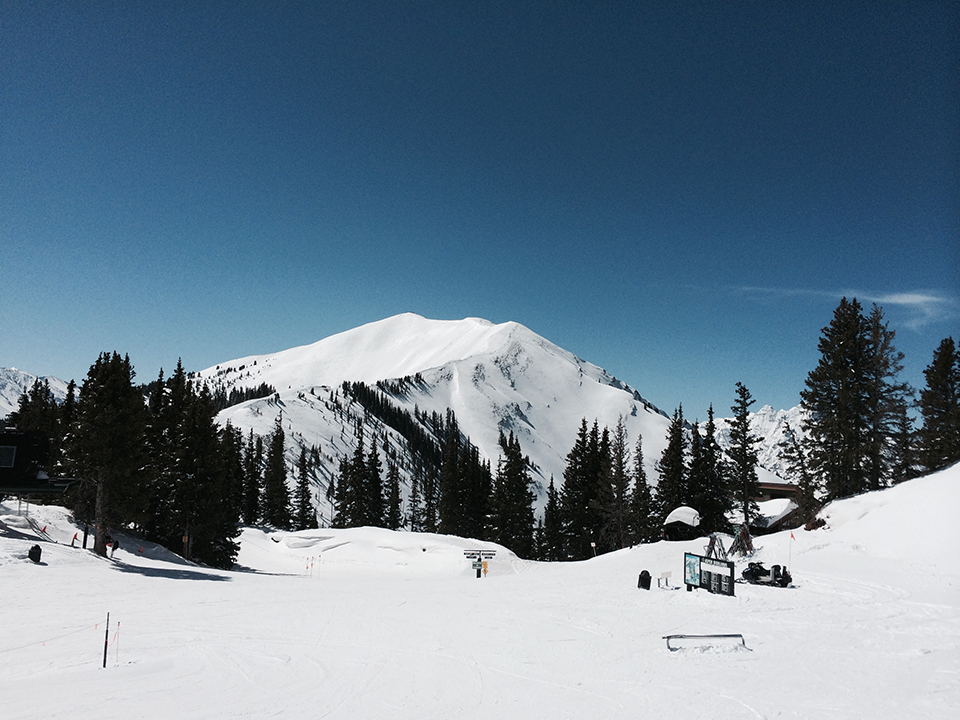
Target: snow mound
{"x":910,"y":520}
{"x":365,"y":550}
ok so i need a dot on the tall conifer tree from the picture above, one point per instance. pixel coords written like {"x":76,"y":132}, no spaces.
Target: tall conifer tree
{"x":276,"y":494}
{"x":672,"y":469}
{"x":743,"y":456}
{"x":939,"y":436}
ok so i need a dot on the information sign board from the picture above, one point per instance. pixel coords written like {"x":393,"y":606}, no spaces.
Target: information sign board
{"x":715,"y":576}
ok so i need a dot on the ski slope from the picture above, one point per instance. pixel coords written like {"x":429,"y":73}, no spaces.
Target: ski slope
{"x":368,"y":623}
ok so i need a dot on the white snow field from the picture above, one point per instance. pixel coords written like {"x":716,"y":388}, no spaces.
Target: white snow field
{"x":396,"y":625}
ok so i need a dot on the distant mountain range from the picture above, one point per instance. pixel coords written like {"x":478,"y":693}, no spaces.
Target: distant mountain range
{"x":13,"y":383}
{"x":493,"y":377}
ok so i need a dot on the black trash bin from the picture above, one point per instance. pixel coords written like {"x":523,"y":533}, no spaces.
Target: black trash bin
{"x":34,"y":553}
{"x":644,"y":583}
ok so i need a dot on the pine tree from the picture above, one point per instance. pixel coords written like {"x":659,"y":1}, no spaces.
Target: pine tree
{"x":37,"y":411}
{"x":374,"y":511}
{"x":672,"y":469}
{"x":252,"y":480}
{"x":552,"y":526}
{"x":708,"y":487}
{"x":394,"y":518}
{"x":451,"y":505}
{"x":476,"y":483}
{"x":939,"y":436}
{"x":853,"y":404}
{"x":794,"y":458}
{"x":512,"y":517}
{"x":616,"y":530}
{"x":743,"y":456}
{"x":205,"y":505}
{"x":577,"y":493}
{"x":109,"y":446}
{"x":169,"y":405}
{"x":415,"y":502}
{"x":887,"y":399}
{"x":276,"y":495}
{"x":835,"y":405}
{"x":305,"y":517}
{"x":642,"y":520}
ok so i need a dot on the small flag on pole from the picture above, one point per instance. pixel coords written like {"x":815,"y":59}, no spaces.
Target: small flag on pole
{"x":792,"y":537}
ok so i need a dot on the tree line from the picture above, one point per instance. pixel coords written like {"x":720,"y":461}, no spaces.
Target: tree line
{"x":859,"y":434}
{"x":153,"y":459}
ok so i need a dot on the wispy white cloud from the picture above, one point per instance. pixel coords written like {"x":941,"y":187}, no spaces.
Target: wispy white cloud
{"x":925,"y":308}
{"x":922,"y":307}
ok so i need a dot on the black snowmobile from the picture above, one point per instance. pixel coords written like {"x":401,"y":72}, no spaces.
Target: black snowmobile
{"x":756,"y":574}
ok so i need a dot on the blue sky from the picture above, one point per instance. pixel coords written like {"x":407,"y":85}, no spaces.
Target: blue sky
{"x":678,"y":192}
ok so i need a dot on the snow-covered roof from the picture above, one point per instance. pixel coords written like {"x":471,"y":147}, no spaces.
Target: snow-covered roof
{"x":685,"y":515}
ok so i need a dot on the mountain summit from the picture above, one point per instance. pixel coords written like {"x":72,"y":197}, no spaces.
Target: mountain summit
{"x":494,"y":377}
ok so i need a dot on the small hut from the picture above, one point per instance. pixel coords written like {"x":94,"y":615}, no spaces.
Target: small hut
{"x":681,"y":524}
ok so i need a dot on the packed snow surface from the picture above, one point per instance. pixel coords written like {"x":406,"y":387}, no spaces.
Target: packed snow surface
{"x":367,"y":623}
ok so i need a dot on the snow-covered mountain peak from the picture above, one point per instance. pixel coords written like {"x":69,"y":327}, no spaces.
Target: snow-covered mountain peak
{"x":13,"y":383}
{"x":494,"y":377}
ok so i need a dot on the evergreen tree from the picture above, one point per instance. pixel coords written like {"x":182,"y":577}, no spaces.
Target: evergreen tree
{"x":415,"y":502}
{"x":708,"y":487}
{"x":835,"y":405}
{"x":853,"y":404}
{"x":512,"y":518}
{"x":305,"y":517}
{"x":642,"y":519}
{"x":672,"y":469}
{"x":169,"y":405}
{"x":887,"y":400}
{"x":939,"y":436}
{"x":252,"y":480}
{"x":552,"y":546}
{"x":904,"y":464}
{"x":451,"y":505}
{"x":276,"y":495}
{"x":431,"y":501}
{"x":394,"y":518}
{"x":476,"y":485}
{"x":374,"y":511}
{"x":794,"y":458}
{"x":616,"y":529}
{"x":232,"y":450}
{"x":743,"y":456}
{"x":577,"y":493}
{"x":37,"y":411}
{"x":351,"y":503}
{"x":109,"y":446}
{"x":204,"y":504}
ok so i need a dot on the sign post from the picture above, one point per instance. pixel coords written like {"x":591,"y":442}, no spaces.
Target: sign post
{"x":480,"y":558}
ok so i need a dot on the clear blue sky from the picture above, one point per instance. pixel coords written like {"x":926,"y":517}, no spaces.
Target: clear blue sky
{"x":678,"y":192}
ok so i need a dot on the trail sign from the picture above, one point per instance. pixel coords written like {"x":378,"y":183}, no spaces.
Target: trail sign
{"x":711,"y":574}
{"x":479,"y":558}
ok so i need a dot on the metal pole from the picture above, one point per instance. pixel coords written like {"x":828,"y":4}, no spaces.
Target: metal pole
{"x":106,"y":640}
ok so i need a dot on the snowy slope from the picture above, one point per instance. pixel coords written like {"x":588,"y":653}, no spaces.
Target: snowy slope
{"x":368,"y":623}
{"x":13,"y":383}
{"x":494,"y":377}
